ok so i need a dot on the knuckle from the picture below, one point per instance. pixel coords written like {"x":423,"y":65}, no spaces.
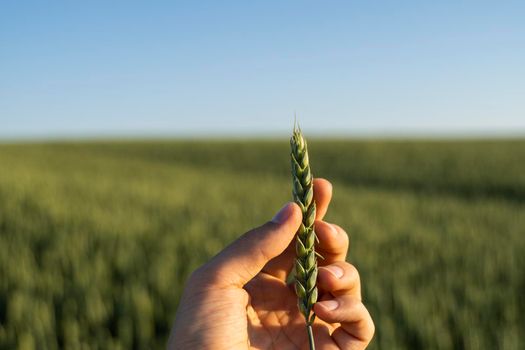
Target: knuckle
{"x":351,"y":304}
{"x":197,"y":276}
{"x":203,"y":277}
{"x":343,"y":236}
{"x":371,"y":329}
{"x":352,"y":272}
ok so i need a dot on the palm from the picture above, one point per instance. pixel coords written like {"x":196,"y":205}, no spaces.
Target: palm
{"x":274,"y":321}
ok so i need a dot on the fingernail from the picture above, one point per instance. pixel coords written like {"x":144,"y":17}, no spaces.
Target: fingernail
{"x":334,"y":230}
{"x":282,"y":214}
{"x":329,"y":304}
{"x":335,"y":270}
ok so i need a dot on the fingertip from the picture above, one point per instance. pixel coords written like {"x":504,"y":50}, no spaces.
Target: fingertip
{"x":332,"y":239}
{"x":289,"y":212}
{"x":340,"y":279}
{"x":288,"y":219}
{"x":322,"y":196}
{"x":296,"y":215}
{"x":326,"y":309}
{"x":328,"y":280}
{"x":322,"y":190}
{"x":323,"y":183}
{"x":328,"y":305}
{"x":334,"y":270}
{"x":344,"y":308}
{"x":330,"y":277}
{"x":296,"y":211}
{"x":326,"y":230}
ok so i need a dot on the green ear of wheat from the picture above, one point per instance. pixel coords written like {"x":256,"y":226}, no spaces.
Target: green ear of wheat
{"x":305,"y":270}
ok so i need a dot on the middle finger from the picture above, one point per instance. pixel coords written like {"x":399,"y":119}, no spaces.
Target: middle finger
{"x":333,"y":242}
{"x":340,"y":278}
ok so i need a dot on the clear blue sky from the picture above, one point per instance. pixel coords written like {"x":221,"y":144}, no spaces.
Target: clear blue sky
{"x":70,"y":68}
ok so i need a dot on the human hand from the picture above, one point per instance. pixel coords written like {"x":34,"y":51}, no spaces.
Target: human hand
{"x":240,"y":300}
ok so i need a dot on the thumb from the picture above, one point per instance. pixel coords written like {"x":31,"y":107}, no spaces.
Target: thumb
{"x":238,"y":263}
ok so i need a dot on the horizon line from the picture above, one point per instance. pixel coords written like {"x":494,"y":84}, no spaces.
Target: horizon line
{"x":266,"y":135}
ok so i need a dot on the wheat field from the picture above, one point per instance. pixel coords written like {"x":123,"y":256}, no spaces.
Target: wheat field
{"x":97,"y":238}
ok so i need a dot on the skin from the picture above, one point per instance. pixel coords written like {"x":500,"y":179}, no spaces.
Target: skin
{"x":240,"y":300}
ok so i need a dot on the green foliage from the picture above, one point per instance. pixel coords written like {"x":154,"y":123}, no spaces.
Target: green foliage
{"x":97,"y":239}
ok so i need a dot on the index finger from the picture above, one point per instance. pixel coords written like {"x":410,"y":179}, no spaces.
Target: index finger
{"x":322,"y":196}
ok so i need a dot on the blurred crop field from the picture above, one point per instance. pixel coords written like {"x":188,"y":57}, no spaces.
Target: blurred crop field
{"x":97,"y":238}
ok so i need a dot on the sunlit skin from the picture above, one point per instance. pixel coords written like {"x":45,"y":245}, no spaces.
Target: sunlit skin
{"x":239,"y":299}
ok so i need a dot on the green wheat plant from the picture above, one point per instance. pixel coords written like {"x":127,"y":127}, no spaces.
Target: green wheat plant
{"x":305,"y":271}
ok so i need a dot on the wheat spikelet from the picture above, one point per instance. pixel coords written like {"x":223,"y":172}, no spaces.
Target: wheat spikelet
{"x":305,"y":270}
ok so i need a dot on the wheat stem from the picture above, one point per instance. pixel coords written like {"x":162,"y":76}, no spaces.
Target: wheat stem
{"x":310,"y":336}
